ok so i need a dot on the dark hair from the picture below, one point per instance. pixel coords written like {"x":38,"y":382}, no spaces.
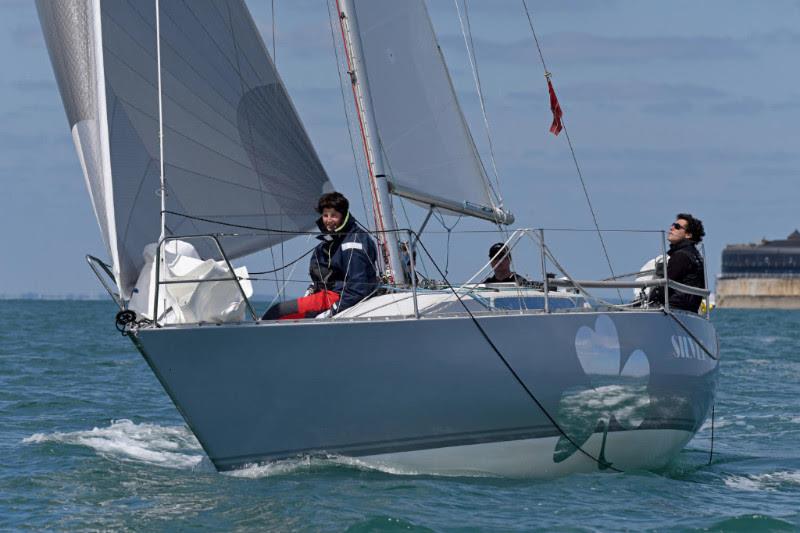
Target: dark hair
{"x":500,"y":250}
{"x":334,"y":200}
{"x":693,"y":226}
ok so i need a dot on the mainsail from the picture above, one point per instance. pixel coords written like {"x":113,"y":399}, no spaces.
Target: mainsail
{"x":235,"y":150}
{"x":424,"y":139}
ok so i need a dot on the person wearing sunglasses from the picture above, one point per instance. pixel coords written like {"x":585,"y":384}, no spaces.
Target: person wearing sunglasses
{"x":684,"y":264}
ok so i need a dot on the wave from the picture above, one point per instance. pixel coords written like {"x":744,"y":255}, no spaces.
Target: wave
{"x":315,"y":462}
{"x":764,"y":482}
{"x":173,"y":447}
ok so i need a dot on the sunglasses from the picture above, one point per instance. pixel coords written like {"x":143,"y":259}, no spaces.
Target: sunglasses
{"x":678,"y":226}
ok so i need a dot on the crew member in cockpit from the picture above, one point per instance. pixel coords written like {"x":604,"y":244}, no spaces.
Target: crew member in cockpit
{"x":500,"y":257}
{"x":343,"y":269}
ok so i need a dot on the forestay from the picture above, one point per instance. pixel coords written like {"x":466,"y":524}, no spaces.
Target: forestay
{"x":235,"y":151}
{"x":424,"y":138}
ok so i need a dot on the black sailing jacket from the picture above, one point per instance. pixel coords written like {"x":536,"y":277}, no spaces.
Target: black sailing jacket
{"x":685,"y":266}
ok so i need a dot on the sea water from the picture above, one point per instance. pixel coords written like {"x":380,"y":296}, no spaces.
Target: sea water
{"x":89,"y":440}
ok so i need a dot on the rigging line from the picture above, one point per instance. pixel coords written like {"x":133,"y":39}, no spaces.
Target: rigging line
{"x":549,"y":254}
{"x":345,"y":108}
{"x":287,"y":265}
{"x":711,"y":449}
{"x":286,"y":280}
{"x":473,"y":61}
{"x":602,"y":463}
{"x":572,"y":151}
{"x":274,"y":269}
{"x":241,"y":226}
{"x":265,"y":230}
{"x":591,"y":207}
{"x":408,"y":220}
{"x":440,"y":218}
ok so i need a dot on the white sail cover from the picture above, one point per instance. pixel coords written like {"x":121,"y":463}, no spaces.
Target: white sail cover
{"x":427,"y":147}
{"x":235,"y":151}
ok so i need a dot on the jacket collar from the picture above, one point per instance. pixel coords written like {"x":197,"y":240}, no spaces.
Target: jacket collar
{"x":339,"y":232}
{"x":685,"y":243}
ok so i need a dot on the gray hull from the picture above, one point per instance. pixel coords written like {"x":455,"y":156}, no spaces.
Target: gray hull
{"x":431,"y":395}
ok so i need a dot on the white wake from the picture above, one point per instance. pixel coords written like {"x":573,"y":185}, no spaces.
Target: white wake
{"x":173,"y":447}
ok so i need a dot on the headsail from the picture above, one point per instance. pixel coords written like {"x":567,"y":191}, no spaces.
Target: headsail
{"x":235,"y":149}
{"x":425,"y":140}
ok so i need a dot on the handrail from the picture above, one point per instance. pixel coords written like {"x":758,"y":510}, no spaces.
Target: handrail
{"x":697,"y":291}
{"x":93,"y":263}
{"x":633,"y":284}
{"x":600,"y":284}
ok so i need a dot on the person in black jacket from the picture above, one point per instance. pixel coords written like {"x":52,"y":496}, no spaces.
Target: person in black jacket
{"x":343,"y":268}
{"x":500,"y":258}
{"x":685,"y":264}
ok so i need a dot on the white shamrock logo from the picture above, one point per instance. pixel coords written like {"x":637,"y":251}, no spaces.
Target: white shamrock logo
{"x":616,"y":396}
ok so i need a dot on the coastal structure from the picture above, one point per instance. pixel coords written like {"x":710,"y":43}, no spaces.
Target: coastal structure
{"x":762,"y":275}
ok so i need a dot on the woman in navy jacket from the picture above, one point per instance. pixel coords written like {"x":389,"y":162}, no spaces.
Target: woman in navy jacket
{"x":343,"y":268}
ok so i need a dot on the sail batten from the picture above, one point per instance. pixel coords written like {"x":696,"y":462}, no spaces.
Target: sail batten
{"x":235,"y":150}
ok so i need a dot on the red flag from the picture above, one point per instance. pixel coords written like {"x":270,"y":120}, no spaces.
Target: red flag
{"x":555,"y":107}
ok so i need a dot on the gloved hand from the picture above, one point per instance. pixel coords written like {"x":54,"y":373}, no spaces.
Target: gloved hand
{"x":309,"y":291}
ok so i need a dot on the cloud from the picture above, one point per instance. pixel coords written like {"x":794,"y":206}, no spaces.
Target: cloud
{"x":766,"y":172}
{"x":777,"y":37}
{"x":636,"y":92}
{"x":651,"y":98}
{"x":583,"y":48}
{"x":27,"y":36}
{"x":35,"y":86}
{"x":741,"y":106}
{"x":496,"y":9}
{"x":299,"y":40}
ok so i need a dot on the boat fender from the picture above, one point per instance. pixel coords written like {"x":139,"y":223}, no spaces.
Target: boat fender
{"x":123,"y":321}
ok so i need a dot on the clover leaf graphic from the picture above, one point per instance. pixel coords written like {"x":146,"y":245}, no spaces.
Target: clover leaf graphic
{"x":616,"y":395}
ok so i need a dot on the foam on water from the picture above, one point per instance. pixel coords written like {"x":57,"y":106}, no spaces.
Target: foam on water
{"x":308,"y":463}
{"x":719,"y":422}
{"x":173,"y":447}
{"x":764,"y":482}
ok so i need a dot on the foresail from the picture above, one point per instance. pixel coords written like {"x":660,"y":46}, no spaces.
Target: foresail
{"x":425,"y":140}
{"x":235,"y":151}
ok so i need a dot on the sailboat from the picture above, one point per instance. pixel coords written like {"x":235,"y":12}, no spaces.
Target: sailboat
{"x":194,"y":156}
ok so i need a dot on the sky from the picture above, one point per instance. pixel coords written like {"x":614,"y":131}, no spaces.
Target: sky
{"x":679,"y":106}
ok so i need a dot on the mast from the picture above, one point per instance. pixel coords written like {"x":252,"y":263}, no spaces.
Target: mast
{"x":384,"y":219}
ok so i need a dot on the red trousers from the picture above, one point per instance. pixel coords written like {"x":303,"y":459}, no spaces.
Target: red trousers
{"x":305,"y":307}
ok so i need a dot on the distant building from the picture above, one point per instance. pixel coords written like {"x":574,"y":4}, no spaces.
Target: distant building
{"x":763,"y":275}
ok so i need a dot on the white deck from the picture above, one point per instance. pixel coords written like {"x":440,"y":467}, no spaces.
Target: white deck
{"x":479,"y":298}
